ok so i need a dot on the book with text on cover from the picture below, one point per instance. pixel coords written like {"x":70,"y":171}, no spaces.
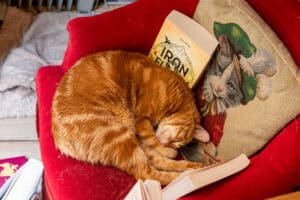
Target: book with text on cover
{"x":188,"y":181}
{"x":27,"y":181}
{"x":184,"y":46}
{"x":8,"y":168}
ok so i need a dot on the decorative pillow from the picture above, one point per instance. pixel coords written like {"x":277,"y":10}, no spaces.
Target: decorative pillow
{"x":286,"y":24}
{"x":251,"y":87}
{"x":119,"y":30}
{"x":16,"y":22}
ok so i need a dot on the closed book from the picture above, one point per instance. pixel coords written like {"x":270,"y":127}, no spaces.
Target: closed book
{"x":8,"y":167}
{"x":183,"y":46}
{"x":26,"y":182}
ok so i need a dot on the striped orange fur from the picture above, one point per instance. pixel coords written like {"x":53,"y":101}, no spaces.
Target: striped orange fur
{"x":107,"y":105}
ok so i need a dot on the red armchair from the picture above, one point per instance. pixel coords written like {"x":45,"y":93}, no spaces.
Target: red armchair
{"x":273,"y":171}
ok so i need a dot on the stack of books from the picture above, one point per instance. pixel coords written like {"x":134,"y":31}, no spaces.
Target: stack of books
{"x":20,"y":178}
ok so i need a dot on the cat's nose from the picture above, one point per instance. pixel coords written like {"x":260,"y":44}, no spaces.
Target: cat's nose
{"x":164,"y":140}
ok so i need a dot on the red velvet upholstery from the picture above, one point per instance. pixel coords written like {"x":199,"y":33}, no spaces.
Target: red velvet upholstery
{"x":275,"y":170}
{"x":133,"y":27}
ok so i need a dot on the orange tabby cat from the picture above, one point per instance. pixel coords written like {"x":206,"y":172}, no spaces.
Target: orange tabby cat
{"x":120,"y":109}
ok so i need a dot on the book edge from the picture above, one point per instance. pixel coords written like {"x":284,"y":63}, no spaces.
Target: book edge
{"x":137,"y":189}
{"x":191,"y":28}
{"x":186,"y":176}
{"x":148,"y":184}
{"x":222,"y":171}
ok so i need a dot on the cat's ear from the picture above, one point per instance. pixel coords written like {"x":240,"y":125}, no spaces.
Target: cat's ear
{"x":201,"y":134}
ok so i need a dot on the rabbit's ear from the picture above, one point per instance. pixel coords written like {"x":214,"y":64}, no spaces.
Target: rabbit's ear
{"x":201,"y":134}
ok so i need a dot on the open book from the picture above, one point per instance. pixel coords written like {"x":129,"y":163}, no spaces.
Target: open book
{"x":188,"y":181}
{"x":148,"y":190}
{"x":183,"y":46}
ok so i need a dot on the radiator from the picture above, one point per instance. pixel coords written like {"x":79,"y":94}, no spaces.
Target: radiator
{"x":81,"y":5}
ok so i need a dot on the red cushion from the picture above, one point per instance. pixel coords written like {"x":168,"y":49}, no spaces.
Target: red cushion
{"x":133,"y":27}
{"x":273,"y":171}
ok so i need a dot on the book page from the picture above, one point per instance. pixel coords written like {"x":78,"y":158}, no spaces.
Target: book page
{"x":191,"y":180}
{"x":136,"y":192}
{"x":153,"y":189}
{"x":220,"y":171}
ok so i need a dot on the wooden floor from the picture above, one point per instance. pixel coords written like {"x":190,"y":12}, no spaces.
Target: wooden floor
{"x":28,"y":148}
{"x":18,"y":137}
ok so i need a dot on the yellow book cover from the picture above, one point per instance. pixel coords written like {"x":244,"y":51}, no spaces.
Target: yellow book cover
{"x":184,"y":46}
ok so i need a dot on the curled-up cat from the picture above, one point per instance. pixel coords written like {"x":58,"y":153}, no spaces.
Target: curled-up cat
{"x":120,"y":109}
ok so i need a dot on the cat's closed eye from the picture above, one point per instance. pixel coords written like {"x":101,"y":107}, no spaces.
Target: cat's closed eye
{"x":155,"y":127}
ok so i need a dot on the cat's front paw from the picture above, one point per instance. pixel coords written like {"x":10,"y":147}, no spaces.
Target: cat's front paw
{"x":183,"y":165}
{"x":168,"y":152}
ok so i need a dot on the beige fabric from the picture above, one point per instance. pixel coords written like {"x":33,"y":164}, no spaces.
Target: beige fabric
{"x":249,"y":127}
{"x":16,"y":22}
